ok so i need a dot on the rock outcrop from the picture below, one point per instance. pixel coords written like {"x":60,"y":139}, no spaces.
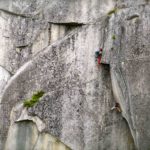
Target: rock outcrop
{"x":50,"y":46}
{"x":25,"y":136}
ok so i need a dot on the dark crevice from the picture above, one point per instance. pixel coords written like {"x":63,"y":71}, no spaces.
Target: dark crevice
{"x":15,"y":14}
{"x":132,"y":17}
{"x":58,"y":31}
{"x":21,"y":46}
{"x":68,"y":23}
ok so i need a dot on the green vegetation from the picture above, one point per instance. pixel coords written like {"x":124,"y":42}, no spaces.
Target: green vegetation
{"x":34,"y":99}
{"x":113,"y":37}
{"x":114,"y":10}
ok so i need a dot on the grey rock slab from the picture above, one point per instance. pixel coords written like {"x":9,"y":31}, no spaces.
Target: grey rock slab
{"x":76,"y":107}
{"x":20,"y":39}
{"x":4,"y":4}
{"x":131,"y":3}
{"x":25,"y":34}
{"x":4,"y":77}
{"x":5,"y":42}
{"x":130,"y":66}
{"x":60,"y":10}
{"x":24,"y":135}
{"x":78,"y":99}
{"x":27,"y":23}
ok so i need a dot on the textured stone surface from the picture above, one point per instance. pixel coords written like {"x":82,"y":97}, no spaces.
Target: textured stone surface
{"x":25,"y":136}
{"x":4,"y":77}
{"x":19,"y":113}
{"x":25,"y":133}
{"x":77,"y":107}
{"x":58,"y":40}
{"x":131,"y":70}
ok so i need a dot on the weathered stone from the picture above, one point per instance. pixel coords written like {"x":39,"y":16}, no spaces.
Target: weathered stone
{"x":27,"y":23}
{"x":20,"y":113}
{"x":4,"y":77}
{"x":24,"y":135}
{"x":80,"y":98}
{"x":77,"y":105}
{"x":130,"y":71}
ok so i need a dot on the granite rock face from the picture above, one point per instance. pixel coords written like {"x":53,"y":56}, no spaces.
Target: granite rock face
{"x":131,"y":70}
{"x":4,"y":77}
{"x":24,"y":135}
{"x":50,"y":46}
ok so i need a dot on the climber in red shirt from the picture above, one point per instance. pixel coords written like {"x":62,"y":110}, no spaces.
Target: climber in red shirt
{"x":98,"y":55}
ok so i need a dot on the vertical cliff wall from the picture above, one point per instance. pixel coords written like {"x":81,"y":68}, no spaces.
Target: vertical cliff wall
{"x":50,"y":46}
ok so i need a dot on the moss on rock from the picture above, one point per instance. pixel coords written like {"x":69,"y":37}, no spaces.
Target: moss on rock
{"x":34,"y":99}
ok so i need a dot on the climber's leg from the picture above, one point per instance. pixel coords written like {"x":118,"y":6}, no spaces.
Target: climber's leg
{"x":99,"y":60}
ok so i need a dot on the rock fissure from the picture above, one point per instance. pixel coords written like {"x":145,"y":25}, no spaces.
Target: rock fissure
{"x":13,"y":13}
{"x":53,"y":43}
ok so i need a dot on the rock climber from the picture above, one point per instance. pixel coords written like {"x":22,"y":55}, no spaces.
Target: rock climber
{"x":98,"y":55}
{"x":116,"y":107}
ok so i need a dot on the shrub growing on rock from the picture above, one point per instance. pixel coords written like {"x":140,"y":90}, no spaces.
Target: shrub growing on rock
{"x":34,"y":99}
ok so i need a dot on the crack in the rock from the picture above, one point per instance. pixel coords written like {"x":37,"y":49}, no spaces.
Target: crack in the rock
{"x":15,"y":14}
